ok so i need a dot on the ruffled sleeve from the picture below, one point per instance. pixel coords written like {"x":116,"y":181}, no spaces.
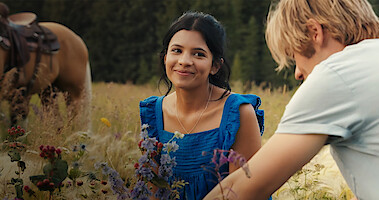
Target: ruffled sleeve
{"x":232,"y":119}
{"x":148,"y":116}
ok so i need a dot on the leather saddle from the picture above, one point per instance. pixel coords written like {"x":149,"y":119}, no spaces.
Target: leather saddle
{"x":23,"y":34}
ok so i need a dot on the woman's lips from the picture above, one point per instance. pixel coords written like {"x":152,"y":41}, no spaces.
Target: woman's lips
{"x":183,"y":73}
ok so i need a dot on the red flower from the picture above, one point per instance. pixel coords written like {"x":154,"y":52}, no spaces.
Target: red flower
{"x":26,"y":188}
{"x":153,"y":154}
{"x":136,"y":165}
{"x":160,"y":145}
{"x":103,"y":182}
{"x":39,"y":184}
{"x":52,"y":148}
{"x":140,"y":143}
{"x":42,"y":154}
{"x":58,"y":151}
{"x":79,"y":183}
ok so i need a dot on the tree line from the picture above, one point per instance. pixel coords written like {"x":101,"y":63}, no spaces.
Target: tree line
{"x":124,"y":36}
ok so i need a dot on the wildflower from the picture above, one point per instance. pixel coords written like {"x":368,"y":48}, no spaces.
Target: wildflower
{"x":150,"y":148}
{"x":75,"y":164}
{"x":103,"y":182}
{"x":69,"y":183}
{"x":79,"y":183}
{"x":140,"y":143}
{"x":144,"y":134}
{"x":116,"y":183}
{"x":136,"y":165}
{"x":141,"y":191}
{"x":223,"y":159}
{"x":83,"y":147}
{"x":58,"y":151}
{"x":170,"y":147}
{"x":145,"y":126}
{"x":148,"y":144}
{"x":145,"y":172}
{"x":162,"y":193}
{"x":117,"y":135}
{"x":178,"y":135}
{"x":105,"y":121}
{"x":75,"y":148}
{"x":159,"y":146}
{"x":26,"y":188}
{"x":232,"y":156}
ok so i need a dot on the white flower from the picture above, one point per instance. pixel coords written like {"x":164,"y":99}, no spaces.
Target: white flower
{"x":178,"y":135}
{"x":144,"y":126}
{"x":170,"y":147}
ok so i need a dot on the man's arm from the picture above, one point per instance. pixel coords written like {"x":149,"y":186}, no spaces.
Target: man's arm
{"x":271,"y":166}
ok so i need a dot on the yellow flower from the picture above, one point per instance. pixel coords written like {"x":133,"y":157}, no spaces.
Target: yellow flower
{"x":105,"y":121}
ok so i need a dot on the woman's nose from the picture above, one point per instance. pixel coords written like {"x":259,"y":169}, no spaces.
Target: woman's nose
{"x":298,"y":74}
{"x":185,"y":59}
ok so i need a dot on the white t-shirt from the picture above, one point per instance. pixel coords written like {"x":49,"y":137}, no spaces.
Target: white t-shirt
{"x":340,"y":98}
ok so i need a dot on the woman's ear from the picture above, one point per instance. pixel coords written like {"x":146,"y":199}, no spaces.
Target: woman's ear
{"x":216,"y":66}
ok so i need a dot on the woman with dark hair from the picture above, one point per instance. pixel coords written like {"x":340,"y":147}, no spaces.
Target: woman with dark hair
{"x":202,"y":107}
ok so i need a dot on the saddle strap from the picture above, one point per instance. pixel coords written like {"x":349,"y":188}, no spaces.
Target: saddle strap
{"x":19,"y":52}
{"x":36,"y":66}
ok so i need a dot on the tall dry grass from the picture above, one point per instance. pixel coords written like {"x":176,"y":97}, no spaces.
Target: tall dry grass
{"x":117,"y":144}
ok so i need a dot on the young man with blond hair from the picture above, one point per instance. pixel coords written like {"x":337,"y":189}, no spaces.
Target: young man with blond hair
{"x":335,"y":47}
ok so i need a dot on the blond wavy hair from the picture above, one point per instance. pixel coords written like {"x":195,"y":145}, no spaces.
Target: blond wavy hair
{"x":347,"y":21}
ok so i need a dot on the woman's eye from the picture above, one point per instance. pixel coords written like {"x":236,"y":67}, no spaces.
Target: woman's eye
{"x":199,"y":54}
{"x":176,"y":50}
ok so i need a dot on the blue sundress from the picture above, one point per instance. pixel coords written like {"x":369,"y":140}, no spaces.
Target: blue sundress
{"x":192,"y":165}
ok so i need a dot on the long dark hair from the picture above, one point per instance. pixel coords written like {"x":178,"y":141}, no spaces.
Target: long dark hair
{"x":215,"y":38}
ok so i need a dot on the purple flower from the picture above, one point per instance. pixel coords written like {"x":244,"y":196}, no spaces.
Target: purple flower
{"x":149,"y":144}
{"x":145,"y":172}
{"x":232,"y":156}
{"x":143,"y":159}
{"x":144,"y":134}
{"x":141,"y":191}
{"x":115,"y":181}
{"x":163,"y":193}
{"x":223,"y":159}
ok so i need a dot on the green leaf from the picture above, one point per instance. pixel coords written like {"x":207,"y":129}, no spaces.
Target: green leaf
{"x":59,"y":171}
{"x":47,"y":169}
{"x":18,"y":187}
{"x":14,"y":155}
{"x":160,"y":182}
{"x":37,"y":178}
{"x":74,"y":173}
{"x":15,"y":181}
{"x":22,"y":165}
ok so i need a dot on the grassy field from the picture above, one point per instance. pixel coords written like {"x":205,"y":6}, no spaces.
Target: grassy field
{"x":116,"y":144}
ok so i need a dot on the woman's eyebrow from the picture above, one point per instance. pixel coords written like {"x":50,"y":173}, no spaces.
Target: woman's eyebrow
{"x":199,"y":49}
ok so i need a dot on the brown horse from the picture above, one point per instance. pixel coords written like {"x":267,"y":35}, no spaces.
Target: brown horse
{"x":65,"y":70}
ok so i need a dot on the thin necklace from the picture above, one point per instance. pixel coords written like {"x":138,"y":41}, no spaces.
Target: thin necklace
{"x":206,"y":106}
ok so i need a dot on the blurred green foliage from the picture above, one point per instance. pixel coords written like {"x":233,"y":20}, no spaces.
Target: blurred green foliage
{"x":124,"y":36}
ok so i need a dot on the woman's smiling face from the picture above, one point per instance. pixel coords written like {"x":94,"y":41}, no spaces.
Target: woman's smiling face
{"x":188,"y":60}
